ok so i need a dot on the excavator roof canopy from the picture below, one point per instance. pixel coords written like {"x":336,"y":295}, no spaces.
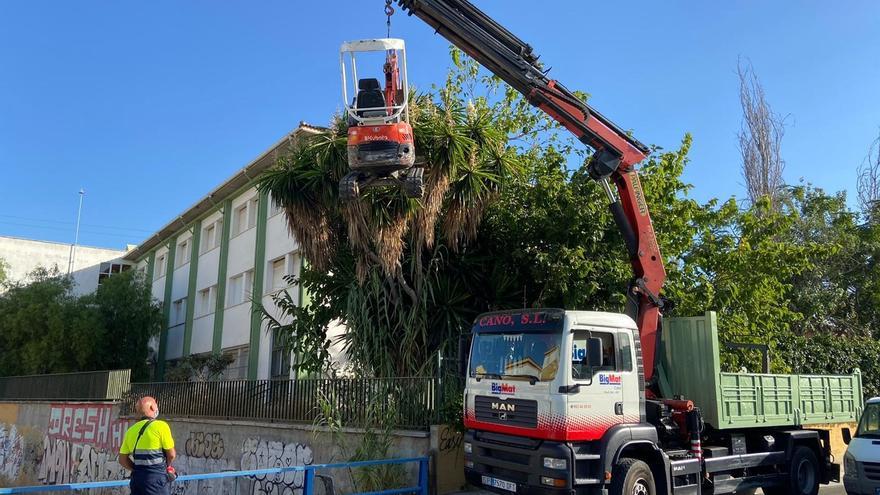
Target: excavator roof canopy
{"x":373,"y":45}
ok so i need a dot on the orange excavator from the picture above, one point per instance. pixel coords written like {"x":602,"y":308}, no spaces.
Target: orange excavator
{"x":381,"y":150}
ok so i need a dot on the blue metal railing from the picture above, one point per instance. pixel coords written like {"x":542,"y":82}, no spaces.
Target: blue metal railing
{"x":308,"y":481}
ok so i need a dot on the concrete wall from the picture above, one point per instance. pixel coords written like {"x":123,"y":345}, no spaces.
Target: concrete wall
{"x":22,"y":256}
{"x":45,"y":443}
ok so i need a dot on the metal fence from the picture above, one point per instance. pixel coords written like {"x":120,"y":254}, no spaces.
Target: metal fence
{"x":90,"y":385}
{"x":407,"y":402}
{"x":308,"y":478}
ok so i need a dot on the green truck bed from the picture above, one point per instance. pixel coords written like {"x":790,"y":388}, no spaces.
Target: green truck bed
{"x":690,"y":366}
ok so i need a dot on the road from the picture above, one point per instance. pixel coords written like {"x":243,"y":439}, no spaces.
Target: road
{"x":832,"y":489}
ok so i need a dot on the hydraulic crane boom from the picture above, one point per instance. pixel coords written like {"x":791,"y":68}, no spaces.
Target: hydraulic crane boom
{"x":614,"y":159}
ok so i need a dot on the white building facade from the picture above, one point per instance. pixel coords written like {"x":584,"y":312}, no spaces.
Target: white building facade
{"x":213,"y":266}
{"x":86,"y":265}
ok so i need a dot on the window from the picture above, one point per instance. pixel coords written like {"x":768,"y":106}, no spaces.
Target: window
{"x":240,"y":288}
{"x":869,"y":425}
{"x":280,"y":268}
{"x":207,"y":301}
{"x":210,"y":236}
{"x":580,"y":368}
{"x":183,"y":253}
{"x":244,"y":217}
{"x":161,"y":265}
{"x":278,"y":271}
{"x":533,"y":354}
{"x":239,"y":218}
{"x":280,"y":357}
{"x":237,"y":369}
{"x":625,"y":352}
{"x":108,"y":269}
{"x":274,"y":206}
{"x":178,"y":312}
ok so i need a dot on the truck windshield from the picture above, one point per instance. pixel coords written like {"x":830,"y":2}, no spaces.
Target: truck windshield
{"x":532,"y":356}
{"x":869,"y":426}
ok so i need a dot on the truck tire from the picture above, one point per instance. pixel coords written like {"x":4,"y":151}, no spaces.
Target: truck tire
{"x":632,"y":477}
{"x":803,"y":474}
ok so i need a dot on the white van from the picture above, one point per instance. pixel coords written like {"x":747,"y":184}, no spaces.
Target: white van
{"x":861,"y":463}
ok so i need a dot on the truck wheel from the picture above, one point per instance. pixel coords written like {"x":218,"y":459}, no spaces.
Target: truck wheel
{"x":632,"y":477}
{"x":803,"y":474}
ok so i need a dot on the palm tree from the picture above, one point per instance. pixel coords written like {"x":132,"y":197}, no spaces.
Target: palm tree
{"x":389,"y":254}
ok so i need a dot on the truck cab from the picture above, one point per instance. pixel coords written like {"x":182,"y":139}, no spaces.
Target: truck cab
{"x":861,"y":463}
{"x":556,"y":382}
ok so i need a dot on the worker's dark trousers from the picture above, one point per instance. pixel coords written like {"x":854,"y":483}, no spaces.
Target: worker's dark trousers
{"x":149,"y":483}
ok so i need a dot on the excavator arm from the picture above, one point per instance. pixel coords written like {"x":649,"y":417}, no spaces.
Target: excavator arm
{"x":613,"y":161}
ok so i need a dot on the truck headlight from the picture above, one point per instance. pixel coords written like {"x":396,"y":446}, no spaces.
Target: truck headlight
{"x":554,"y":463}
{"x":468,"y":448}
{"x":849,"y":465}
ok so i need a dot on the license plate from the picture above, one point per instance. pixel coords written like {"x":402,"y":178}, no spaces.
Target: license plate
{"x":505,"y":485}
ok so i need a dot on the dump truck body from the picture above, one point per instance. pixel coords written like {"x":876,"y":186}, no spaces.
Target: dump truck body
{"x":690,"y":366}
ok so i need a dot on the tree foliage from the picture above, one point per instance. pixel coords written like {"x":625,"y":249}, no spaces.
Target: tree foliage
{"x":868,"y":186}
{"x":760,"y":140}
{"x":44,"y":328}
{"x":199,"y":368}
{"x":784,"y":267}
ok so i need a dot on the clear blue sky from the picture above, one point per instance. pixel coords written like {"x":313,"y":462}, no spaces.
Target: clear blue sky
{"x":149,"y":105}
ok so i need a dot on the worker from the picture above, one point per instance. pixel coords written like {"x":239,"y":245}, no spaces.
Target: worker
{"x":148,"y":451}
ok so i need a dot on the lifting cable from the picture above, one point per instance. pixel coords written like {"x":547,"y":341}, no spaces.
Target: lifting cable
{"x":389,"y":11}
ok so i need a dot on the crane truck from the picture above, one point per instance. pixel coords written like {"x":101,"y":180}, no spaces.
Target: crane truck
{"x":580,"y":402}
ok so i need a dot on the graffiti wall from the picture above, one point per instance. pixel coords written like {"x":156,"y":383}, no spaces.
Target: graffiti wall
{"x":258,"y":453}
{"x":11,"y":452}
{"x":81,"y":444}
{"x":45,"y":443}
{"x":203,"y":452}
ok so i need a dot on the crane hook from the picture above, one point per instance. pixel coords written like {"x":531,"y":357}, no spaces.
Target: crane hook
{"x":389,"y":11}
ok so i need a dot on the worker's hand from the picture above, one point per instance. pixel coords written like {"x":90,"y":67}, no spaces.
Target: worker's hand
{"x":170,"y":473}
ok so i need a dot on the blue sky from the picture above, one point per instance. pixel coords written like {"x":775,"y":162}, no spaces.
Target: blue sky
{"x":149,"y":105}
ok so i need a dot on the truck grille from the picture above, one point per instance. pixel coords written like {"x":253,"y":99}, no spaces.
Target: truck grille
{"x":509,"y":412}
{"x":872,"y":470}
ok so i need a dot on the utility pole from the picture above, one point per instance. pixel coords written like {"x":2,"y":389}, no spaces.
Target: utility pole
{"x":72,"y":257}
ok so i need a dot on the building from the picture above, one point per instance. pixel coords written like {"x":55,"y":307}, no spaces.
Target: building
{"x":87,"y":265}
{"x":211,"y":263}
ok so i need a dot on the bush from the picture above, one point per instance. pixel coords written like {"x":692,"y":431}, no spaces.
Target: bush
{"x":825,"y":354}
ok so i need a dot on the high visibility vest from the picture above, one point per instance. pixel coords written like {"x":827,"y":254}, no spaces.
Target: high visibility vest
{"x":150,"y":452}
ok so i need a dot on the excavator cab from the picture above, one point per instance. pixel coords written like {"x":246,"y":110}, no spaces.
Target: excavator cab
{"x":381,"y":150}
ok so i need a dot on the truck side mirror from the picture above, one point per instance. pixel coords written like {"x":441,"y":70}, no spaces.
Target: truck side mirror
{"x":594,"y":353}
{"x":847,"y":435}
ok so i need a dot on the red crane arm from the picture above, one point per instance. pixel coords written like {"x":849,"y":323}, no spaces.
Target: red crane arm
{"x":616,"y":153}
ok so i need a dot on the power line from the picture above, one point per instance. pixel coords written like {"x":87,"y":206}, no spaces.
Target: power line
{"x":61,"y":222}
{"x":61,"y":229}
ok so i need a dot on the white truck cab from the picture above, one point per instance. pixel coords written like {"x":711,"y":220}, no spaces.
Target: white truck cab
{"x":861,"y":463}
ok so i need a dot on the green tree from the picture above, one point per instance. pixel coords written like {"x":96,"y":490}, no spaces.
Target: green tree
{"x":129,"y":318}
{"x":839,"y":294}
{"x":541,"y":235}
{"x":33,"y":318}
{"x":45,"y":329}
